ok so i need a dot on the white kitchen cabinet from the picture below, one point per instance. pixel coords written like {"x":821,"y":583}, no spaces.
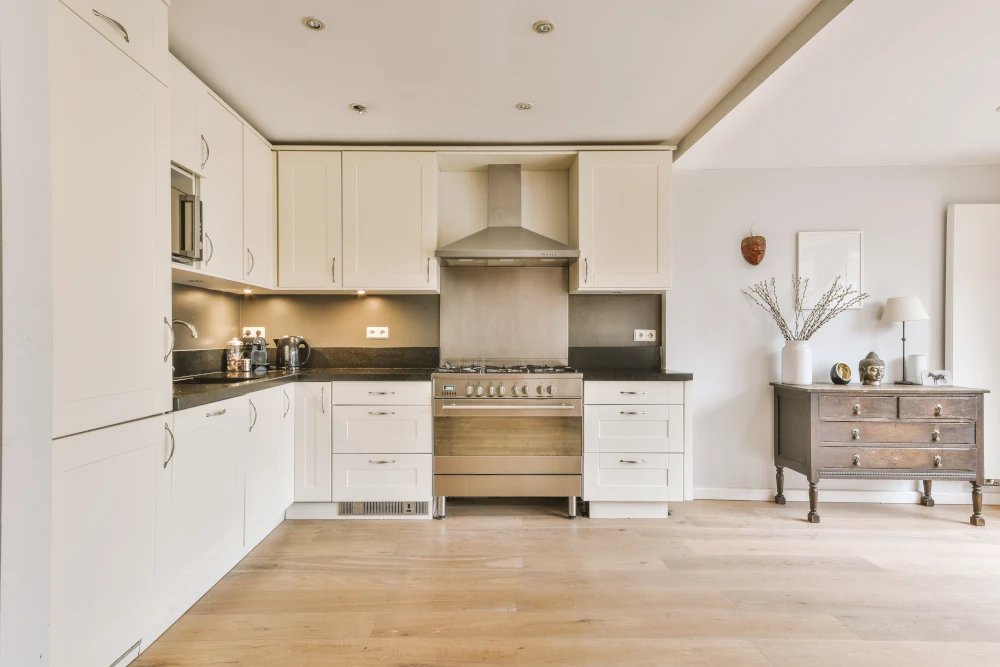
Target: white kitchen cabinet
{"x":258,"y":211}
{"x":110,"y":231}
{"x":382,"y":477}
{"x":284,"y":450}
{"x":221,"y":188}
{"x":390,"y":220}
{"x":309,"y":219}
{"x":137,"y":27}
{"x":620,"y":217}
{"x":186,"y":92}
{"x":199,"y":505}
{"x":368,"y":429}
{"x":313,"y":442}
{"x":103,"y":541}
{"x":257,"y":448}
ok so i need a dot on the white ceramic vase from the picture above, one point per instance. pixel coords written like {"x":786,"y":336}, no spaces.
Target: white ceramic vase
{"x":796,"y":362}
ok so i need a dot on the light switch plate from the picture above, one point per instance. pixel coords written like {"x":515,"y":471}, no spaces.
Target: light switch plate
{"x":254,"y":331}
{"x":644,"y":334}
{"x":379,"y":333}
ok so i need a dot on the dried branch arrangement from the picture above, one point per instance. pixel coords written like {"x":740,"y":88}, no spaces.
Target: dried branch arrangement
{"x":836,"y":300}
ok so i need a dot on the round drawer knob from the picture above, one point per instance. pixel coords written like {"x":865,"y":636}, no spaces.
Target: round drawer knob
{"x":937,"y":462}
{"x":935,"y":435}
{"x":857,"y":408}
{"x":856,"y":433}
{"x":857,"y":459}
{"x":938,"y":410}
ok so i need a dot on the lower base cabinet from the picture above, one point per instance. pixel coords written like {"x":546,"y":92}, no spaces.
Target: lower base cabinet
{"x":258,"y":447}
{"x":284,"y":450}
{"x":382,"y":477}
{"x":313,"y":442}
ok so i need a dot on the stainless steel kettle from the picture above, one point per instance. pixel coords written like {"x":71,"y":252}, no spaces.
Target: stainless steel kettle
{"x":293,"y":351}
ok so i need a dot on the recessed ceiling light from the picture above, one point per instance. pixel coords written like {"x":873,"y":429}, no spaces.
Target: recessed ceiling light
{"x":314,"y":23}
{"x":248,"y":291}
{"x":543,"y":27}
{"x":524,"y":106}
{"x":360,"y":108}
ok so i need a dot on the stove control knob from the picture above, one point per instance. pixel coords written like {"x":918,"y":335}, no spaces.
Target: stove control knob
{"x":502,"y":390}
{"x":539,"y":390}
{"x":468,"y":390}
{"x":479,"y":390}
{"x":551,"y":390}
{"x":493,"y":390}
{"x":524,"y":389}
{"x":517,"y":390}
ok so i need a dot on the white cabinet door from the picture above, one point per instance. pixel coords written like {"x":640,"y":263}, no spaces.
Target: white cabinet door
{"x":635,"y":476}
{"x":257,"y":445}
{"x":366,"y":429}
{"x":623,"y":215}
{"x":313,"y":442}
{"x":186,"y":91}
{"x":309,"y":219}
{"x":137,"y":27}
{"x":199,"y":505}
{"x":284,"y":451}
{"x":258,"y":211}
{"x":110,"y":232}
{"x":221,"y":188}
{"x":103,"y":514}
{"x":382,"y":393}
{"x":390,"y":220}
{"x":382,"y":477}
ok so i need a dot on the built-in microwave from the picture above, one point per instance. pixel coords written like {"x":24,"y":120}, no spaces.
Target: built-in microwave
{"x":185,"y":217}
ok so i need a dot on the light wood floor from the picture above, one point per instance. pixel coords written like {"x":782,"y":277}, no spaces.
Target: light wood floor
{"x":720,"y":583}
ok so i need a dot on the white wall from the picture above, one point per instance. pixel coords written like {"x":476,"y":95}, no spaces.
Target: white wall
{"x":732,"y":346}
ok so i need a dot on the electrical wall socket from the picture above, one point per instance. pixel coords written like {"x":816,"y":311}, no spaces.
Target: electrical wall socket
{"x":254,"y":331}
{"x":380,"y":333}
{"x":644,"y":334}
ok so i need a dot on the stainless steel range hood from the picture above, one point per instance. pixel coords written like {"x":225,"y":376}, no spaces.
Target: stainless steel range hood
{"x":505,"y":242}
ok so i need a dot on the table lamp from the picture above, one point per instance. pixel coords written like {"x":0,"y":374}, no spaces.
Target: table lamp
{"x":904,"y":309}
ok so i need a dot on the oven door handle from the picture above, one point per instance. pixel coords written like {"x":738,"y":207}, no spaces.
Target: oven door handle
{"x":508,"y":407}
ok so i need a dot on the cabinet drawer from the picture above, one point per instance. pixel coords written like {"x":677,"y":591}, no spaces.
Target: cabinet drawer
{"x":931,"y":408}
{"x":859,"y":407}
{"x":402,"y":429}
{"x":145,"y":21}
{"x":632,"y":476}
{"x":903,"y":432}
{"x":405,"y":477}
{"x":637,"y":393}
{"x":382,"y":393}
{"x":634,"y":428}
{"x":897,"y":458}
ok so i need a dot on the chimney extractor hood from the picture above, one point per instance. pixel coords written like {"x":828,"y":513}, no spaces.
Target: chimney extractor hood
{"x":505,"y":242}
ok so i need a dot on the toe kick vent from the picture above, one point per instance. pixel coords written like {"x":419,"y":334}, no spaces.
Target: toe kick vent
{"x":387,"y":508}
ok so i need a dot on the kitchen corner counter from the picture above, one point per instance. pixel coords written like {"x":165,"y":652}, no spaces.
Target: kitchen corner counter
{"x":633,"y":375}
{"x":366,"y":374}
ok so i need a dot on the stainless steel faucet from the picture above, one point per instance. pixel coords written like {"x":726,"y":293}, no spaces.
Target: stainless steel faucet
{"x":194,"y":332}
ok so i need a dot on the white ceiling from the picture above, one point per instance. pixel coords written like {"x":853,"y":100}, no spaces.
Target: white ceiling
{"x":886,"y":83}
{"x":451,"y":71}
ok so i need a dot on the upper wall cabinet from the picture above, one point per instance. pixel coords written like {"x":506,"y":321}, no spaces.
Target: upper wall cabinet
{"x":137,"y":27}
{"x":110,"y":231}
{"x":621,"y":205}
{"x":258,"y":210}
{"x":309,"y":220}
{"x":221,"y":188}
{"x":390,"y":220}
{"x":187,"y":147}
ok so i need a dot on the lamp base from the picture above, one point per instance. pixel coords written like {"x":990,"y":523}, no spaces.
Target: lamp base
{"x":905,"y":382}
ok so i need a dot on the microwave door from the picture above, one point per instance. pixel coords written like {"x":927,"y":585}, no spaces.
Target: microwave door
{"x":189,"y":236}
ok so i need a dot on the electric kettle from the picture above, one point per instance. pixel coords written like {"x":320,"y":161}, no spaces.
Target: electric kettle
{"x":293,"y":351}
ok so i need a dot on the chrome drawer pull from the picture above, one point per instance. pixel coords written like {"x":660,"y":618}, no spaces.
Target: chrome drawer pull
{"x":938,"y":410}
{"x":856,"y":433}
{"x":381,"y":393}
{"x":381,"y":414}
{"x":935,"y":435}
{"x":217,"y":413}
{"x":937,"y":462}
{"x":632,"y":412}
{"x":857,"y":459}
{"x":173,"y":445}
{"x":113,"y":22}
{"x":633,"y":393}
{"x":381,"y":462}
{"x":631,"y":461}
{"x":857,"y":408}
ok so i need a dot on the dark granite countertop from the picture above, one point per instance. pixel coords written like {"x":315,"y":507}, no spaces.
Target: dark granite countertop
{"x":633,"y":375}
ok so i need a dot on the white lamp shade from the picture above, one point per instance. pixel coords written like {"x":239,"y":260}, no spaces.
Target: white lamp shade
{"x":904,"y":309}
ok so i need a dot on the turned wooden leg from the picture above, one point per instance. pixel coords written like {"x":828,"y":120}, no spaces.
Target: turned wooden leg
{"x":977,"y":506}
{"x":813,"y":515}
{"x":927,"y":501}
{"x":779,"y":476}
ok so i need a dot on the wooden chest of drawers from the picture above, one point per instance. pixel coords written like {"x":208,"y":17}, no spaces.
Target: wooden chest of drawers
{"x":892,"y":431}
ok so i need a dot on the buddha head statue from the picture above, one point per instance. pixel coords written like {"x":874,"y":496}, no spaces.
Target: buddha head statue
{"x":872,"y":370}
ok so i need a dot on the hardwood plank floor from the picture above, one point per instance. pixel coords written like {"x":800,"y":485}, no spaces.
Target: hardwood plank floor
{"x":719,"y":583}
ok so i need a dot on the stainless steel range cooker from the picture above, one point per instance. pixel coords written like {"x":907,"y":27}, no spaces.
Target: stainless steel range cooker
{"x":508,"y":431}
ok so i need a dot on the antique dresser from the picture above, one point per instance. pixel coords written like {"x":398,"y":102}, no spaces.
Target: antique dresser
{"x":892,"y":431}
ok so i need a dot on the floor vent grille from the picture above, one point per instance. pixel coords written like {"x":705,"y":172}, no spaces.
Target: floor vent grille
{"x":386,"y":508}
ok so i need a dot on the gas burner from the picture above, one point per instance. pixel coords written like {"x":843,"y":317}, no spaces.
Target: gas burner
{"x":551,"y":369}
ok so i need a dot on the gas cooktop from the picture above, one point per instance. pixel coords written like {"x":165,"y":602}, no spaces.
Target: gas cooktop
{"x":522,"y":369}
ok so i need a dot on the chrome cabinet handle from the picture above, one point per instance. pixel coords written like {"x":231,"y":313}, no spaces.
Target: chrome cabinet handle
{"x":254,"y":408}
{"x":322,"y":398}
{"x":623,"y":412}
{"x":857,"y":459}
{"x":173,"y":338}
{"x":857,"y":408}
{"x":377,"y":462}
{"x":288,"y":403}
{"x":115,"y":23}
{"x":208,"y":151}
{"x":938,"y":410}
{"x":253,"y":262}
{"x":211,"y":249}
{"x":173,"y":445}
{"x":333,"y":269}
{"x":381,"y":393}
{"x":428,"y":269}
{"x":938,"y":462}
{"x":856,"y":433}
{"x":586,"y":269}
{"x":631,"y":460}
{"x":381,"y":414}
{"x":633,"y":393}
{"x":935,"y":435}
{"x":217,"y":413}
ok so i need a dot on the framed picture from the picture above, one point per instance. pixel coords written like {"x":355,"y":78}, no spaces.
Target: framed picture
{"x":823,"y":256}
{"x":935,"y":378}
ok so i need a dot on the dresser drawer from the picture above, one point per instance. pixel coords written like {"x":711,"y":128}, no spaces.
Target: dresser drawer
{"x":929,"y":433}
{"x":145,"y":22}
{"x":911,"y":407}
{"x":382,"y":393}
{"x":401,"y":429}
{"x":404,"y":477}
{"x":857,"y":407}
{"x":898,"y":458}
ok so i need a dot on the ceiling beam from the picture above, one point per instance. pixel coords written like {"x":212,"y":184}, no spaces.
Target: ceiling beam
{"x":806,"y":29}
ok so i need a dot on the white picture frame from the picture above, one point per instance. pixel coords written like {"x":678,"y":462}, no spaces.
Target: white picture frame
{"x":935,"y":378}
{"x":822,"y":256}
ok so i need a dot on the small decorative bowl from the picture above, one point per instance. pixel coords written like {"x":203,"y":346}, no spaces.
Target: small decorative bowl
{"x":840,"y":373}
